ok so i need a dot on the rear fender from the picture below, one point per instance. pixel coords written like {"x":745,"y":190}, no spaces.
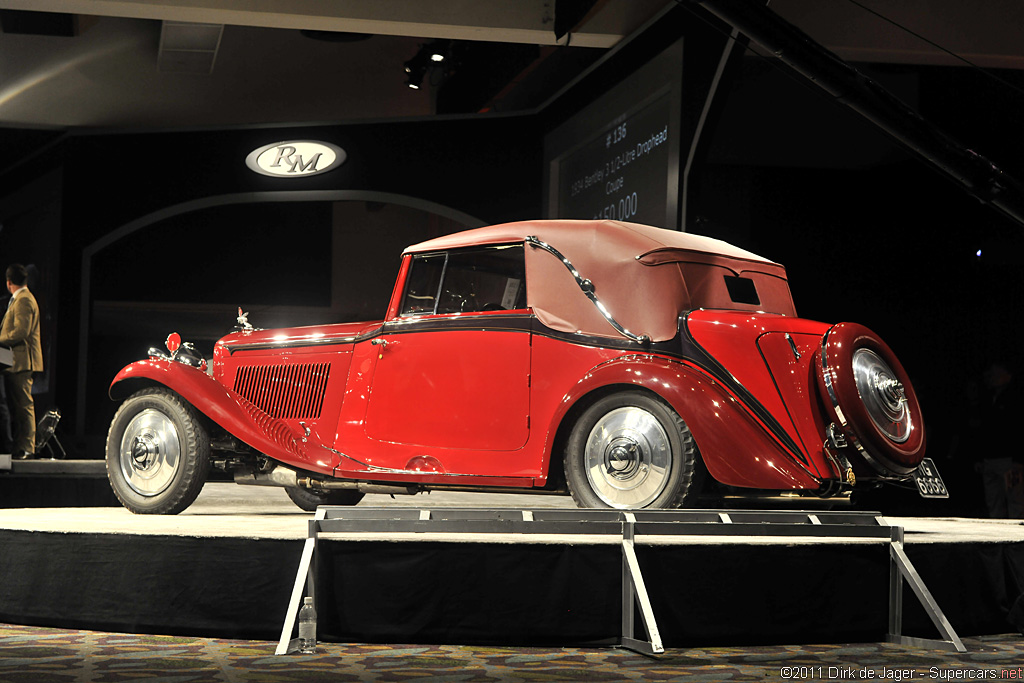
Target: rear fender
{"x":226,"y":408}
{"x":737,"y":449}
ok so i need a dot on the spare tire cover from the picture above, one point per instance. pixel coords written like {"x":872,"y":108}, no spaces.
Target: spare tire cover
{"x":869,"y":396}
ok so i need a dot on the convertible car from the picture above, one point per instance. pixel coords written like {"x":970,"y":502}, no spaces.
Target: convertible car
{"x":625,"y":365}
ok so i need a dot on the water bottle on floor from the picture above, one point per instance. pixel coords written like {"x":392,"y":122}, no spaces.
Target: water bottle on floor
{"x":307,"y":627}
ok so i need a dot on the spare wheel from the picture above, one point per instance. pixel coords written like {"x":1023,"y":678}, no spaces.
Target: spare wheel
{"x":869,"y":397}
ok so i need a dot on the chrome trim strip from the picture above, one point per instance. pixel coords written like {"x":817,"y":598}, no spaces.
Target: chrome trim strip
{"x":298,"y":342}
{"x":587,"y":287}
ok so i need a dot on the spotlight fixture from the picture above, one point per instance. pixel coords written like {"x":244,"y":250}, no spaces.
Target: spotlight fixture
{"x":429,"y":56}
{"x":438,"y":50}
{"x":415,"y":71}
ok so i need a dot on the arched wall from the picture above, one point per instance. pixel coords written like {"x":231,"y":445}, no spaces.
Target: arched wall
{"x":85,"y":318}
{"x":471,"y":170}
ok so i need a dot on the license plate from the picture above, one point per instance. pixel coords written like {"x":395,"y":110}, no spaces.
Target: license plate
{"x":929,"y":483}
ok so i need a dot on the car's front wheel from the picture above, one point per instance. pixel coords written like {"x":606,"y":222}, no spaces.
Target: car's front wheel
{"x":630,"y":450}
{"x":311,"y":500}
{"x":158,"y":453}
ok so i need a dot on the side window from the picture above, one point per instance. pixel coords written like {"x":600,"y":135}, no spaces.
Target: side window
{"x":471,"y":281}
{"x":424,"y":282}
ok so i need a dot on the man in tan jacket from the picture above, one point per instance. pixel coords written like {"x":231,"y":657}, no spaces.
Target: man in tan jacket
{"x":20,"y":331}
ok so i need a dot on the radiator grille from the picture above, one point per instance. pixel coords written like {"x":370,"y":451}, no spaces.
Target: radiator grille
{"x":291,"y":392}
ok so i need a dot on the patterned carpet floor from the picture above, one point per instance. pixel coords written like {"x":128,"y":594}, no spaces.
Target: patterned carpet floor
{"x":48,"y":655}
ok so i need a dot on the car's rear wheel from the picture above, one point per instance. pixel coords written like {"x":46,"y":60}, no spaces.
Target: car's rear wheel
{"x":158,"y":453}
{"x":311,"y":500}
{"x":630,"y":450}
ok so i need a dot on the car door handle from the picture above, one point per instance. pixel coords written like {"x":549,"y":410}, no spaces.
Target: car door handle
{"x":381,"y":344}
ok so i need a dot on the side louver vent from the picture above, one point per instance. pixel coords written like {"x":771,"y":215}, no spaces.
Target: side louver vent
{"x":290,"y":392}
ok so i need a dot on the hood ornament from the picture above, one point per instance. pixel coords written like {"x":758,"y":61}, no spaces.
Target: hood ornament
{"x":242,"y":321}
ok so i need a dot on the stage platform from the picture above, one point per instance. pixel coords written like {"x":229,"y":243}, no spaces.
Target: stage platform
{"x":225,"y":568}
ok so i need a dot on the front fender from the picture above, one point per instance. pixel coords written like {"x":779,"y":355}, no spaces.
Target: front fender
{"x":737,"y":449}
{"x":225,"y":407}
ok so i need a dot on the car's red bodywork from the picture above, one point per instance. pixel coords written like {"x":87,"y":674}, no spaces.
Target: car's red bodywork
{"x":485,"y":398}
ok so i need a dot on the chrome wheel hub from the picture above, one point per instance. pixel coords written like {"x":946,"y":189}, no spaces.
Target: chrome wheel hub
{"x":628,"y":458}
{"x":883,"y":395}
{"x":150,"y":452}
{"x":622,"y":459}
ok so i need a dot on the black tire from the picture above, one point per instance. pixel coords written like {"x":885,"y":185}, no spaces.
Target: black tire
{"x":311,"y":500}
{"x":630,"y":450}
{"x":158,"y":453}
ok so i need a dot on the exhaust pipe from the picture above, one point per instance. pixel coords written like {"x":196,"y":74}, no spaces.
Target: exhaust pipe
{"x":279,"y":476}
{"x":288,"y":478}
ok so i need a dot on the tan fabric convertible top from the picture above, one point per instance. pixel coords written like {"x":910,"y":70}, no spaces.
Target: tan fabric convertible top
{"x":644,"y":276}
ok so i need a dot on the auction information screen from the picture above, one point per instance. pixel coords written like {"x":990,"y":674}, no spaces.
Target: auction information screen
{"x":622,"y":173}
{"x":618,"y":158}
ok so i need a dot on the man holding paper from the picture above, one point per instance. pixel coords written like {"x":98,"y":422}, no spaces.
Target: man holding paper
{"x":20,"y":331}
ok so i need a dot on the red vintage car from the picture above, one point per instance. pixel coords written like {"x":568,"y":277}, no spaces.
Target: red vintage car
{"x":616,"y":362}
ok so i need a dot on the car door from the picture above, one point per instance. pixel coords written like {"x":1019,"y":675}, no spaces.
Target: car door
{"x":452,"y":370}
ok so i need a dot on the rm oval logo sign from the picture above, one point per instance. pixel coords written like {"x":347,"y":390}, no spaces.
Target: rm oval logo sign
{"x":295,"y":158}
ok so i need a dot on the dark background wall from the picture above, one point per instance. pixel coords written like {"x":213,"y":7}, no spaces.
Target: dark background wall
{"x":194,"y":238}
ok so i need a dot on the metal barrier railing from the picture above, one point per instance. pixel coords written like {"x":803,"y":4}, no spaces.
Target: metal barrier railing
{"x":627,"y":525}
